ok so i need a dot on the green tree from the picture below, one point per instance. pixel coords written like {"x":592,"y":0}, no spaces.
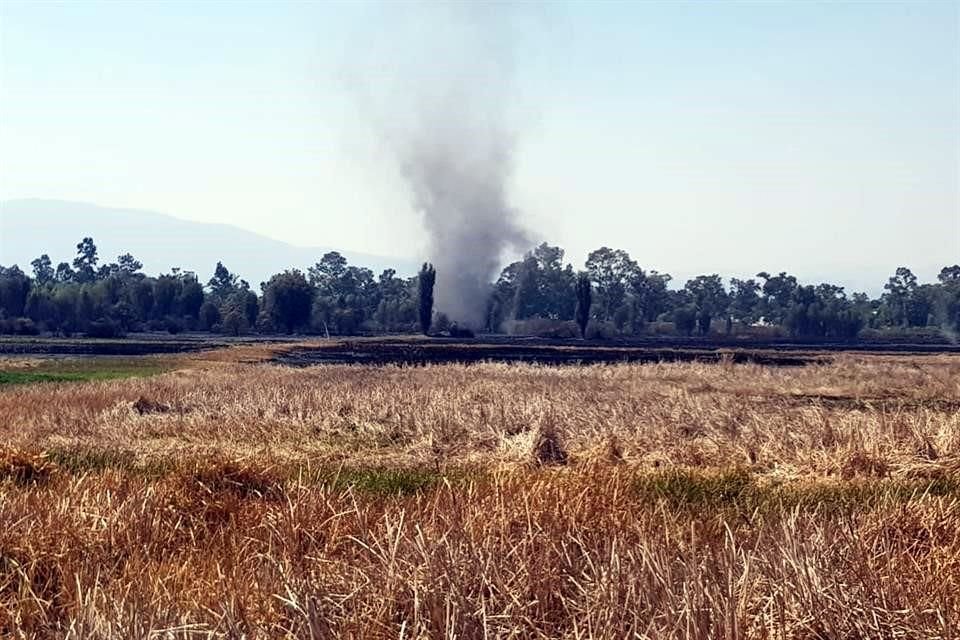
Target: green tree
{"x":584,"y":295}
{"x":209,"y":316}
{"x":610,"y":270}
{"x":287,"y":299}
{"x":64,"y":273}
{"x":709,"y":297}
{"x":190,"y":298}
{"x":37,"y":306}
{"x":527,"y":301}
{"x":346,"y":296}
{"x":904,"y":304}
{"x":553,"y":281}
{"x":223,"y":283}
{"x":425,"y":283}
{"x":396,"y":309}
{"x":234,"y":323}
{"x":85,"y":264}
{"x":650,"y":293}
{"x":777,"y":296}
{"x":87,"y":310}
{"x":744,"y":300}
{"x":64,"y":309}
{"x":140,"y":297}
{"x":325,"y":274}
{"x":244,"y":302}
{"x":15,"y":286}
{"x":165,"y":291}
{"x":128,"y":266}
{"x":949,"y":276}
{"x":948,"y":305}
{"x":43,"y":271}
{"x":685,"y":319}
{"x":823,"y":311}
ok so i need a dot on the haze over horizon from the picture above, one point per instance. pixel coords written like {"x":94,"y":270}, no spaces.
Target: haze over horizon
{"x":163,"y":241}
{"x":729,"y":138}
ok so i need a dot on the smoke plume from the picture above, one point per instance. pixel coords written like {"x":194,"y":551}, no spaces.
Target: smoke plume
{"x":445,"y":120}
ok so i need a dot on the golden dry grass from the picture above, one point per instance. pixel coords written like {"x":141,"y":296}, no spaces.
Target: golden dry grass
{"x":237,"y":499}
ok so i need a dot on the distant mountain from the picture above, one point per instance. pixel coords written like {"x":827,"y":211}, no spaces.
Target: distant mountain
{"x":29,"y":228}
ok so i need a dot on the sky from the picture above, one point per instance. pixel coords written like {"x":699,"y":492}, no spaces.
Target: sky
{"x":821,"y":138}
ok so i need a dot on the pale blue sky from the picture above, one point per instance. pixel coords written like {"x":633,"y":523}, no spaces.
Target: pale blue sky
{"x":820,"y":138}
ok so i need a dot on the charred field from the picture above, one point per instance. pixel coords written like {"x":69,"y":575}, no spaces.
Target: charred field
{"x":414,"y":350}
{"x":142,"y":345}
{"x":225,"y":493}
{"x":299,"y":350}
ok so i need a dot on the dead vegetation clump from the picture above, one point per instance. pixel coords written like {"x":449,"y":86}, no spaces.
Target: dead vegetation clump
{"x":548,"y":448}
{"x":25,"y":467}
{"x":863,"y":464}
{"x":926,"y":450}
{"x":241,"y":478}
{"x":144,"y":406}
{"x":611,"y":451}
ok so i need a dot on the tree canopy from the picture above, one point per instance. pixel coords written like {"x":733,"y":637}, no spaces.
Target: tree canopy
{"x":540,"y":293}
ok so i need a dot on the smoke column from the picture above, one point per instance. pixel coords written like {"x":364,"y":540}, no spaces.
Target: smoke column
{"x":445,"y":121}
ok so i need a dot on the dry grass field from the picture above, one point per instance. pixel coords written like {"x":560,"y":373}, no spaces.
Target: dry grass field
{"x":228,"y":497}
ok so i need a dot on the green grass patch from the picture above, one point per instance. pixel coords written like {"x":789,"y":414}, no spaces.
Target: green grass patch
{"x":30,"y":377}
{"x":83,"y":370}
{"x":692,"y":488}
{"x":79,"y":459}
{"x":84,"y":460}
{"x":739,"y":490}
{"x":386,"y":481}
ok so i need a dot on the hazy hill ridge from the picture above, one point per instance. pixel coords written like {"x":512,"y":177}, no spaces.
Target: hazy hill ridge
{"x":29,"y":228}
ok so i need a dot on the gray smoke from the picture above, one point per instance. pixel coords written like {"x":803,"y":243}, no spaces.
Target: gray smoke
{"x":446,"y":123}
{"x":458,"y":176}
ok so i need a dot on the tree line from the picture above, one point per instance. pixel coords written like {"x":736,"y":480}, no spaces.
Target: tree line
{"x":537,"y":295}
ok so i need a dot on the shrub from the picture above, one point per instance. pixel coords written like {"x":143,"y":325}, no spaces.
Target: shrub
{"x":104,"y":328}
{"x":685,"y":320}
{"x":209,"y":316}
{"x":25,"y":327}
{"x":173,"y":325}
{"x":441,"y":323}
{"x":457,"y":331}
{"x":19,"y":326}
{"x":234,"y":323}
{"x":265,"y":323}
{"x":601,"y":331}
{"x":543,"y":328}
{"x":661,"y":328}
